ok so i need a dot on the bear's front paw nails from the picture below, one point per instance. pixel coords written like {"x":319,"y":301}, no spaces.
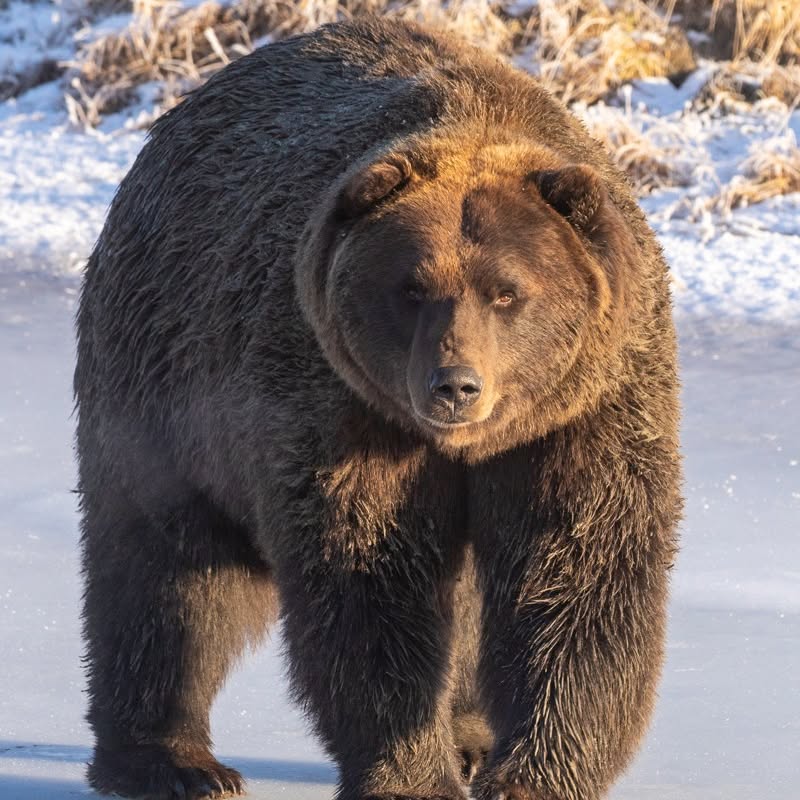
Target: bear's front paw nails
{"x":156,"y":773}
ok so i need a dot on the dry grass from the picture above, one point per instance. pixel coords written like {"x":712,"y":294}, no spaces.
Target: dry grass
{"x":183,"y":47}
{"x":164,"y":42}
{"x":756,"y":30}
{"x":771,"y":169}
{"x":583,"y":50}
{"x":653,"y":156}
{"x":737,"y":84}
{"x":757,"y":43}
{"x":767,"y":31}
{"x":586,"y":49}
{"x":479,"y":21}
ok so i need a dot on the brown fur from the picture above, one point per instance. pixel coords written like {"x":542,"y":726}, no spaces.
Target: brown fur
{"x":374,"y":327}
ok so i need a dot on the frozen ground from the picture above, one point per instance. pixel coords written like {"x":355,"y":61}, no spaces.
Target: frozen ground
{"x":728,"y":724}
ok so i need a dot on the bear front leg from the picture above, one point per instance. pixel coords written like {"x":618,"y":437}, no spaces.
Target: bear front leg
{"x":367,"y":606}
{"x":574,"y":572}
{"x":171,"y":598}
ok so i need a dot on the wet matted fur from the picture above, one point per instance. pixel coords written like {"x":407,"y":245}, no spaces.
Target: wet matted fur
{"x":376,"y":338}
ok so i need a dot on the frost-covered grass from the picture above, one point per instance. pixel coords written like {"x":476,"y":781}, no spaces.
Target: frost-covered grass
{"x":581,"y":49}
{"x":696,"y":172}
{"x":726,"y":57}
{"x":717,"y":174}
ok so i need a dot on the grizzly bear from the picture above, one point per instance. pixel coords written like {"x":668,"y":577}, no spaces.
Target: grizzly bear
{"x":377,"y":341}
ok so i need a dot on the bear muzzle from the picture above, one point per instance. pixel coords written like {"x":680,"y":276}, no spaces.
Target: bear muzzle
{"x":451,"y":397}
{"x":455,"y":388}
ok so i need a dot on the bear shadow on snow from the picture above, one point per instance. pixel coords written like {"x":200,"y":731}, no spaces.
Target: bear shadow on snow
{"x":376,"y":339}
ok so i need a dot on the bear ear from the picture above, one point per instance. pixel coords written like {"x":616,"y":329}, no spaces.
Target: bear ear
{"x":575,"y":192}
{"x":371,"y":185}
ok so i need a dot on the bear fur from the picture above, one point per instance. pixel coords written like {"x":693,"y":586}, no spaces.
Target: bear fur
{"x":376,"y":339}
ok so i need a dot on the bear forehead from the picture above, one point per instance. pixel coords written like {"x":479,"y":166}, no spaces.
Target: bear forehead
{"x":496,"y":210}
{"x":488,"y":226}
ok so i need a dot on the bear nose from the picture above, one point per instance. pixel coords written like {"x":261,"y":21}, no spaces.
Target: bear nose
{"x":458,"y":387}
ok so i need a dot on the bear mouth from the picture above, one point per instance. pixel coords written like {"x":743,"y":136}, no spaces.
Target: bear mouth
{"x":451,"y":424}
{"x":452,"y":427}
{"x":445,"y":425}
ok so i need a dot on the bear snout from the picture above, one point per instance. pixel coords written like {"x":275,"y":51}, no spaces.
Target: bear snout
{"x":455,"y":388}
{"x":450,"y":397}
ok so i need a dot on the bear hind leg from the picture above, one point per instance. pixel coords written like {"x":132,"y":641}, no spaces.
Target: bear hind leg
{"x":171,"y":600}
{"x":473,"y":740}
{"x":471,"y":733}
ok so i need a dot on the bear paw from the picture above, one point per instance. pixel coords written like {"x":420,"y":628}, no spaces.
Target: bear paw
{"x":472,"y":761}
{"x":473,"y":741}
{"x":157,"y":773}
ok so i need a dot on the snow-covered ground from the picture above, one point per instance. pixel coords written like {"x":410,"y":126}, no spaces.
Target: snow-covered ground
{"x":728,"y":724}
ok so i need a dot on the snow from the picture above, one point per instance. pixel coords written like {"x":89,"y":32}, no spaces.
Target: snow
{"x":55,"y":183}
{"x":728,"y":723}
{"x":742,"y":264}
{"x":31,"y":31}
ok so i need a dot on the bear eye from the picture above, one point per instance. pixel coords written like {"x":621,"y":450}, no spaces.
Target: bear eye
{"x":504,"y":299}
{"x":413,"y":292}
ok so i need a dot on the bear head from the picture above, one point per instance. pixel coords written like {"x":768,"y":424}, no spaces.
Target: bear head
{"x":473,"y":292}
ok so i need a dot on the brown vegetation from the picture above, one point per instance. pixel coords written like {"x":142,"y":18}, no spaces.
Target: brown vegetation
{"x":583,"y":50}
{"x":772,"y":170}
{"x":652,"y":157}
